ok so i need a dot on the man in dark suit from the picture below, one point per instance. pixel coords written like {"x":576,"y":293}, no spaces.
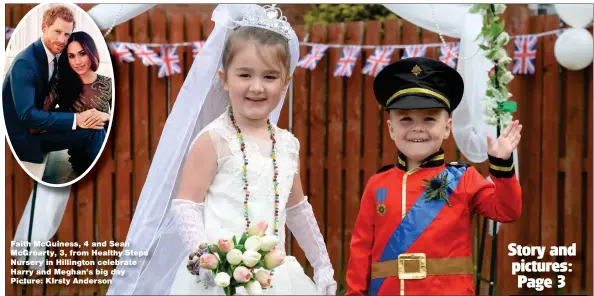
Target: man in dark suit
{"x":34,"y":129}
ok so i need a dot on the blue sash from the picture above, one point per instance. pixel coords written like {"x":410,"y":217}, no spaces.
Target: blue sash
{"x":415,"y":222}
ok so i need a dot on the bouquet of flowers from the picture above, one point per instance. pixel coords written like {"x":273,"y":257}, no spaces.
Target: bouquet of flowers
{"x":247,"y":263}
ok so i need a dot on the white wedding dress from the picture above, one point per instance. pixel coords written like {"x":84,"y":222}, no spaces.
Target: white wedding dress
{"x":224,"y":210}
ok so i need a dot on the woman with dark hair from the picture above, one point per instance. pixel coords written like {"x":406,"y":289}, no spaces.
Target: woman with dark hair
{"x":80,"y":88}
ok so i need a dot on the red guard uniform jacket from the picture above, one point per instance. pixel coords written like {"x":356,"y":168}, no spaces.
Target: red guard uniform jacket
{"x":447,"y":236}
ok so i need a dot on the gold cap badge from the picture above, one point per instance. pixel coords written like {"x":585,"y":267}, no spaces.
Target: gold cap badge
{"x":416,"y":70}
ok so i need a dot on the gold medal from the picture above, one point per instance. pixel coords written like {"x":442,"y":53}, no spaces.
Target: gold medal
{"x":381,"y":209}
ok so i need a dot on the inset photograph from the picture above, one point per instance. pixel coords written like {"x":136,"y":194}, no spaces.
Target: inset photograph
{"x":57,"y":93}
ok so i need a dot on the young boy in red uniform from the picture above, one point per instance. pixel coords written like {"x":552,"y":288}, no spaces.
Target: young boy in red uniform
{"x":413,"y":231}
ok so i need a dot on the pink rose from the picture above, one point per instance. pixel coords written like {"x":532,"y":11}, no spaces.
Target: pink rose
{"x":274,"y":258}
{"x":226,"y":245}
{"x":492,"y":72}
{"x":258,"y":229}
{"x":242,"y":275}
{"x":264,"y":278}
{"x":209,"y":261}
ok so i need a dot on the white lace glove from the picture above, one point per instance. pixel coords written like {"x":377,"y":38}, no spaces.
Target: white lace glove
{"x":188,"y":220}
{"x":303,"y":225}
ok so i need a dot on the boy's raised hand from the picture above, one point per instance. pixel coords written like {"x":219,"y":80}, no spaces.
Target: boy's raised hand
{"x":507,"y":141}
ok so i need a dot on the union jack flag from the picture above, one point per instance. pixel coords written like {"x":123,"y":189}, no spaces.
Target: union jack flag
{"x":447,"y":55}
{"x":345,"y":65}
{"x":196,"y":47}
{"x":412,"y":51}
{"x":313,"y":57}
{"x":524,"y":54}
{"x":170,"y":61}
{"x":121,"y":51}
{"x":146,"y":55}
{"x":8,"y":33}
{"x":378,"y":60}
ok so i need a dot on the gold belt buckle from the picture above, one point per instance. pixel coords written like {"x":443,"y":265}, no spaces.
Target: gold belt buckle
{"x":418,"y":258}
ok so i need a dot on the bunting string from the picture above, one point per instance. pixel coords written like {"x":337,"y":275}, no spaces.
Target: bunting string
{"x":167,"y":60}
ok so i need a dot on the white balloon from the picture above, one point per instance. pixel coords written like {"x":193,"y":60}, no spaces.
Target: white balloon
{"x":574,"y":48}
{"x":575,"y":15}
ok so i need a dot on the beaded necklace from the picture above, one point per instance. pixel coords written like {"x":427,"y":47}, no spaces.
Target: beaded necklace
{"x":244,"y":168}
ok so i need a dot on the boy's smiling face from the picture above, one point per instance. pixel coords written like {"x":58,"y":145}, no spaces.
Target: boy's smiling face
{"x":419,"y":133}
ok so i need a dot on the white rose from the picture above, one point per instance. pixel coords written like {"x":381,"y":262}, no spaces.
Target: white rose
{"x":500,"y":54}
{"x":253,"y":288}
{"x":234,"y":257}
{"x":506,"y":78}
{"x":251,"y":258}
{"x":253,"y":243}
{"x":504,"y":61}
{"x":502,"y":39}
{"x":268,"y":243}
{"x":222,"y":279}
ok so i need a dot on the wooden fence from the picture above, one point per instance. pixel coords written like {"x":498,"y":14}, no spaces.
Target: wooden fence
{"x":344,"y":141}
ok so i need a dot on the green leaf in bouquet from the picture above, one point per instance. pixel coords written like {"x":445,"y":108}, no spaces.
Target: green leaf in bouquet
{"x":484,"y":47}
{"x":234,"y":240}
{"x":222,"y":255}
{"x":497,"y":28}
{"x":244,"y":237}
{"x":240,"y":247}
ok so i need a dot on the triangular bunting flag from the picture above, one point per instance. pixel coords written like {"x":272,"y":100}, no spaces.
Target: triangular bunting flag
{"x":378,"y":60}
{"x":169,"y":61}
{"x":313,"y":57}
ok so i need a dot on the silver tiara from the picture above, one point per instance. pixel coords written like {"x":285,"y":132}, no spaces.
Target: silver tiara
{"x":271,"y":19}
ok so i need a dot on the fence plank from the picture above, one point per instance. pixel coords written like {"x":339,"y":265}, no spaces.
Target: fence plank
{"x":104,"y":190}
{"x":194,"y":22}
{"x":549,"y":222}
{"x":334,"y":196}
{"x":140,"y":107}
{"x":85,"y":230}
{"x":176,"y":34}
{"x":389,"y":150}
{"x":572,"y":203}
{"x":158,"y":86}
{"x":207,"y":25}
{"x":353,"y":182}
{"x":317,"y":174}
{"x":122,"y":143}
{"x":66,"y":233}
{"x":104,"y":199}
{"x":371,"y":108}
{"x":300,"y":124}
{"x":588,"y":246}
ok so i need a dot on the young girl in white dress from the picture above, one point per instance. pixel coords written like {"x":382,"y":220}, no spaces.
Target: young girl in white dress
{"x":241,"y":168}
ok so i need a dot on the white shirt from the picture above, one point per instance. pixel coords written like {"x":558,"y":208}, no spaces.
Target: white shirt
{"x":50,"y":62}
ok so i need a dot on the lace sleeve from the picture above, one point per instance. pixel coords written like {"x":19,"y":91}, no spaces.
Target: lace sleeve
{"x":188,"y":217}
{"x":303,"y":224}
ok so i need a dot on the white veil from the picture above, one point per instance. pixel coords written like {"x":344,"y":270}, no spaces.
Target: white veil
{"x":201,"y":100}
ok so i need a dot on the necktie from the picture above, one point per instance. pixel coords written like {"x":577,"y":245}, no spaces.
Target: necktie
{"x":55,"y":62}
